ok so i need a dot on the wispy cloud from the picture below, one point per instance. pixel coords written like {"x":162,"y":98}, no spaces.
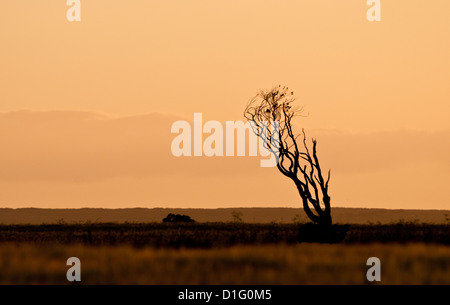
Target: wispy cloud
{"x":60,"y":158}
{"x":83,"y":146}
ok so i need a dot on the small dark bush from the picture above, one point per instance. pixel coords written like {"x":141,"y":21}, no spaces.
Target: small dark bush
{"x":177,"y":218}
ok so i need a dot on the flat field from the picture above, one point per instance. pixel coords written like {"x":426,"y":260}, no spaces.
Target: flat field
{"x":221,"y":253}
{"x":256,"y":264}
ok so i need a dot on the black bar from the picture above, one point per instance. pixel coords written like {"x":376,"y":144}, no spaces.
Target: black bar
{"x":223,"y":294}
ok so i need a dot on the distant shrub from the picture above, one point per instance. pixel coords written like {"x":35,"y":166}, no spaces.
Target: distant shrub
{"x":177,"y":218}
{"x":237,"y":216}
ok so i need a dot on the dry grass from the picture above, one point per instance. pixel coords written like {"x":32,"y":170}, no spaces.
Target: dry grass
{"x":221,"y":253}
{"x":414,"y":263}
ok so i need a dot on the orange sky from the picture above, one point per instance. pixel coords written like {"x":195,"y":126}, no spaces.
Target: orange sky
{"x":86,"y":107}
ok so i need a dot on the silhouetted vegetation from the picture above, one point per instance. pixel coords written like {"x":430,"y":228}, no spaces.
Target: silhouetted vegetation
{"x":332,"y":234}
{"x":177,"y":218}
{"x":210,"y":235}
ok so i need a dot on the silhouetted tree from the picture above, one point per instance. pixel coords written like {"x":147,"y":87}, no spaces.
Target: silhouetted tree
{"x":270,"y":113}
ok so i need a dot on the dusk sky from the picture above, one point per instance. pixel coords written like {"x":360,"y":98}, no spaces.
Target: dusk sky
{"x":86,"y":107}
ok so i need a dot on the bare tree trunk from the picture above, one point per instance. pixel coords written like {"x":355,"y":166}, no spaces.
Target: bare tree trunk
{"x":316,"y":214}
{"x":323,"y":217}
{"x":327,"y":212}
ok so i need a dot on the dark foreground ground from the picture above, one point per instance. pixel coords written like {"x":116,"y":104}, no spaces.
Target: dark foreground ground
{"x":221,"y":253}
{"x":212,"y":235}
